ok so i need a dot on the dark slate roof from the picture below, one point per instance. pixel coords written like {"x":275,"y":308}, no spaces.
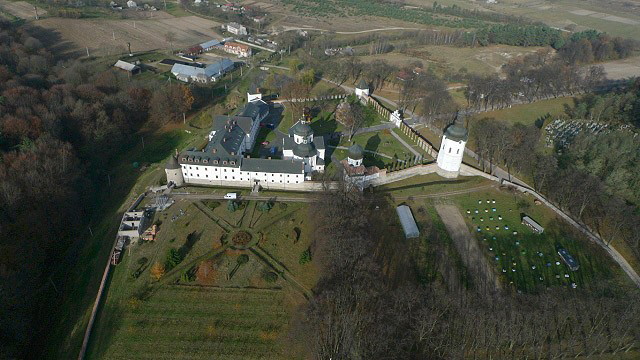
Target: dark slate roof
{"x":301,"y":129}
{"x":172,"y":163}
{"x":318,"y":141}
{"x":304,"y":150}
{"x":288,"y":143}
{"x":456,"y":131}
{"x":255,"y":108}
{"x":204,"y":158}
{"x":355,"y":152}
{"x":362,"y":84}
{"x":226,"y":141}
{"x":245,"y":123}
{"x":273,"y":165}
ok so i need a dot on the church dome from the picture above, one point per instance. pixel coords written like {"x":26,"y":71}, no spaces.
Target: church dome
{"x":355,"y":152}
{"x":302,"y":129}
{"x":456,"y":131}
{"x":304,"y":150}
{"x":172,"y":163}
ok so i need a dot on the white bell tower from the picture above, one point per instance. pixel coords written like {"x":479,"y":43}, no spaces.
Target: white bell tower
{"x":451,"y":151}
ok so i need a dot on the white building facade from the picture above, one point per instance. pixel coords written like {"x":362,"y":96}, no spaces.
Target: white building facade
{"x":452,"y":148}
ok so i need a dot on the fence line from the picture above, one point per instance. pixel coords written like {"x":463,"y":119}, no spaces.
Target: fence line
{"x":105,"y":275}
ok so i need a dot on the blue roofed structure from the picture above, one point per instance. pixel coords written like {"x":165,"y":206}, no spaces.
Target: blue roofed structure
{"x":211,"y":72}
{"x":407,"y":221}
{"x":206,"y":46}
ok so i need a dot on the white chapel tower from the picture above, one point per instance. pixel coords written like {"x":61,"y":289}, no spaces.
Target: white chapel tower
{"x":452,"y":148}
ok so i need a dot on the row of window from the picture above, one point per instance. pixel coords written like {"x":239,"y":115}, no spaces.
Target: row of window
{"x":233,"y":178}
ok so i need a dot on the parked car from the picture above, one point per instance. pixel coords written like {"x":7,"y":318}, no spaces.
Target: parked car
{"x":265,"y":143}
{"x":231,"y":196}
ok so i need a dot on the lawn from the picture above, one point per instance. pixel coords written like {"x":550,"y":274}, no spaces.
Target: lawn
{"x":528,"y":113}
{"x":431,"y":184}
{"x":529,"y":262}
{"x":381,"y":142}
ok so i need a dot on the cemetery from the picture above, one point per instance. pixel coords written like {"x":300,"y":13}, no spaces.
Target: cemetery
{"x":529,"y":260}
{"x":561,"y":132}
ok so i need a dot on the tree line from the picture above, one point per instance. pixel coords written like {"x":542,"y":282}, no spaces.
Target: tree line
{"x":373,"y":301}
{"x":530,"y":78}
{"x":592,"y":46}
{"x":62,"y":125}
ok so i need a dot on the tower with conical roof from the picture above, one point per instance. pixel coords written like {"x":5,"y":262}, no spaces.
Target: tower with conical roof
{"x":362,"y":89}
{"x":174,"y":171}
{"x":451,"y":151}
{"x":355,"y":155}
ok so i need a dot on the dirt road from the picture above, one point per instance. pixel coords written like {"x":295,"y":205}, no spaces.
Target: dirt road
{"x":485,"y":280}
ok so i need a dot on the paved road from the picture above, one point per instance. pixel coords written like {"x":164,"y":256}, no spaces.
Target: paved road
{"x":195,"y":197}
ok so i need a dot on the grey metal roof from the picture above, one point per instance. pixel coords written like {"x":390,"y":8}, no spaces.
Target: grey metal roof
{"x":210,"y":43}
{"x":226,"y":141}
{"x":273,"y":165}
{"x":407,"y":221}
{"x":125,"y":65}
{"x":254,"y":109}
{"x":456,"y":131}
{"x":301,"y":129}
{"x":319,"y":142}
{"x":220,"y":121}
{"x":304,"y":150}
{"x":362,"y":85}
{"x":172,"y":163}
{"x":207,"y":158}
{"x":220,"y":67}
{"x":355,"y":152}
{"x":210,"y":70}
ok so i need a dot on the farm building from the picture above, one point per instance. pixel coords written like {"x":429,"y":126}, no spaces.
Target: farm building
{"x":128,"y":67}
{"x":236,"y":29}
{"x":209,"y":45}
{"x":212,"y":72}
{"x":532,"y":224}
{"x":237,"y":49}
{"x":407,"y":221}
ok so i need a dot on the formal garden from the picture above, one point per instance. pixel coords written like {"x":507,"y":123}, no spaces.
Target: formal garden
{"x":219,"y":275}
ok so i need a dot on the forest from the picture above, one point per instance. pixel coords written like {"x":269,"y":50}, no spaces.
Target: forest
{"x":63,"y":124}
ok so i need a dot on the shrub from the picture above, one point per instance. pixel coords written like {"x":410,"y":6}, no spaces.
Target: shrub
{"x":269,"y":276}
{"x":283,"y":206}
{"x":305,"y":257}
{"x":243,"y":259}
{"x":241,"y":238}
{"x":157,"y":270}
{"x":174,"y":257}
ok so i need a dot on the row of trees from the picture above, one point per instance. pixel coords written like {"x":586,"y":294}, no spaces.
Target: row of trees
{"x":534,"y":77}
{"x":621,"y":107}
{"x":61,"y":125}
{"x":372,"y":303}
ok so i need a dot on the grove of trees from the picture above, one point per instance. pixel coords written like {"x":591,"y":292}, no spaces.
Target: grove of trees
{"x":62,"y":125}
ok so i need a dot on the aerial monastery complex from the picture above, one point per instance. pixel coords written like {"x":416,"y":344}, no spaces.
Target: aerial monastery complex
{"x":224,"y":161}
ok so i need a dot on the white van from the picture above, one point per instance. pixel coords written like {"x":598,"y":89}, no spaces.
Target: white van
{"x":231,"y":196}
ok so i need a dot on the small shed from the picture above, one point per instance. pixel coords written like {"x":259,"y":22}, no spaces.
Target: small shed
{"x":532,"y":224}
{"x":407,"y":221}
{"x":128,"y":67}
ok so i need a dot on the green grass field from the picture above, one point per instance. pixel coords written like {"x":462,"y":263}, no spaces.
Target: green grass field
{"x":529,"y":262}
{"x":528,"y":113}
{"x":431,"y":184}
